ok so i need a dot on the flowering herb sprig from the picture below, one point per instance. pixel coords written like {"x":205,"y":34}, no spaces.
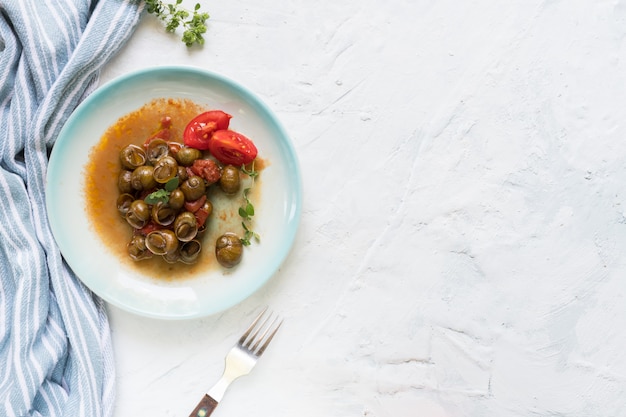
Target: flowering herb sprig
{"x":175,"y":16}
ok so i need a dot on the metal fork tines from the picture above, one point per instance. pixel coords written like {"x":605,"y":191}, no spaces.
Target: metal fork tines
{"x":240,"y":359}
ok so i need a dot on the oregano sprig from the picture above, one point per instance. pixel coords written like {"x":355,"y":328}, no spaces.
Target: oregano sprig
{"x":252,"y":173}
{"x":247,"y":210}
{"x":174,"y":16}
{"x":162,"y":194}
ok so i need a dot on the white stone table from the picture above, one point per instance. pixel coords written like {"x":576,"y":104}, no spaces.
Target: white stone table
{"x":462,"y":247}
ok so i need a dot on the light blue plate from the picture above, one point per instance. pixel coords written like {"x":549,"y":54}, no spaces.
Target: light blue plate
{"x":277,"y":213}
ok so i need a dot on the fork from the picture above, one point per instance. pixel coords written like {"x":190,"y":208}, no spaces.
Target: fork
{"x":240,"y":360}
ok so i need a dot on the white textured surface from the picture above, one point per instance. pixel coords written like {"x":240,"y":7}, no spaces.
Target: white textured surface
{"x":461,"y":251}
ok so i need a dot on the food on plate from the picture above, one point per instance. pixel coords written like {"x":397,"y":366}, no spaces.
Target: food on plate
{"x":230,"y":180}
{"x":167,"y":223}
{"x":228,"y":250}
{"x":230,"y":147}
{"x":199,"y":130}
{"x":168,"y":184}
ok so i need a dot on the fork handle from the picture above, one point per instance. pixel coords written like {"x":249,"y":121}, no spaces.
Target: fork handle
{"x":205,"y":407}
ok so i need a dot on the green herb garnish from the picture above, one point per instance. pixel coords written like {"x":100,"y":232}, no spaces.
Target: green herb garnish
{"x":174,"y":16}
{"x":251,"y":172}
{"x":247,"y":210}
{"x":162,"y":194}
{"x":248,"y":234}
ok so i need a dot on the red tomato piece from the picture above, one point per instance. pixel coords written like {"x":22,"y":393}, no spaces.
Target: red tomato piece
{"x":198,"y":131}
{"x":207,"y":169}
{"x":230,"y":147}
{"x":166,"y":122}
{"x":195,"y":205}
{"x":201,"y":215}
{"x":165,"y":134}
{"x":149,"y":227}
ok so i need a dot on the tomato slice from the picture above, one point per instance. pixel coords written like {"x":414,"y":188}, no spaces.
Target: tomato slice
{"x":198,"y":131}
{"x":201,"y":215}
{"x":195,"y":205}
{"x":230,"y":147}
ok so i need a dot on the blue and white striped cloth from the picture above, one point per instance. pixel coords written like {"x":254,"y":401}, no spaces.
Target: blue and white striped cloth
{"x":56,"y":356}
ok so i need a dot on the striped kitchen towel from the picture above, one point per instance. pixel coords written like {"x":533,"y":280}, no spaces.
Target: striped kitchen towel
{"x":56,"y":355}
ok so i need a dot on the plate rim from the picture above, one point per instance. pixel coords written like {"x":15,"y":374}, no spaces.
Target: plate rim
{"x":283,"y":139}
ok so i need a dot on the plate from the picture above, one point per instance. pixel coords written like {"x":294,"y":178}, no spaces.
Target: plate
{"x":276,"y":219}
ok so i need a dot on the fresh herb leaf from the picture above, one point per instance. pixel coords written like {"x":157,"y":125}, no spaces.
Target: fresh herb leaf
{"x":157,"y":196}
{"x":172,"y":184}
{"x":247,"y":210}
{"x":162,"y":194}
{"x":252,"y":173}
{"x":245,"y":240}
{"x":175,"y":16}
{"x":248,"y":234}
